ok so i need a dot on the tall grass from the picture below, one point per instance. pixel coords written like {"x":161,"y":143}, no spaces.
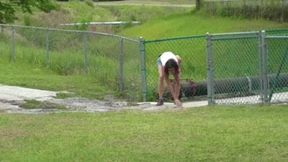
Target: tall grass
{"x":87,"y":55}
{"x":34,"y":73}
{"x":81,"y":12}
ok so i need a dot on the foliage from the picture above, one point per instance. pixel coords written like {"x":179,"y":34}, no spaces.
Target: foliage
{"x":9,"y":8}
{"x":274,"y":10}
{"x":85,"y":12}
{"x":34,"y":104}
{"x":143,"y":14}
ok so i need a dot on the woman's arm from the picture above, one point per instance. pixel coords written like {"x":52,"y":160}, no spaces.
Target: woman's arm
{"x":171,"y":87}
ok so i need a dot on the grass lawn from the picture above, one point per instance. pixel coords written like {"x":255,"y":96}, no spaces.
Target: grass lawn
{"x":250,"y":133}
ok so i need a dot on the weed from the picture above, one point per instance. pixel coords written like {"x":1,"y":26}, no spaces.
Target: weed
{"x":34,"y":104}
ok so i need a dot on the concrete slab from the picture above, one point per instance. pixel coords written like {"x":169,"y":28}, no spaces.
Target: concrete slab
{"x":20,"y":93}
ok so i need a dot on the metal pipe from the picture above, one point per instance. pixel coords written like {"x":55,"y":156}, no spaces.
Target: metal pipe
{"x":243,"y":85}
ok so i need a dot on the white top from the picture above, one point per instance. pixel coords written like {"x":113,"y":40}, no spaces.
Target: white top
{"x":167,"y":56}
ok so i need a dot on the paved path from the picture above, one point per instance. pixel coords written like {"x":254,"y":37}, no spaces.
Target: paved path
{"x":12,"y":97}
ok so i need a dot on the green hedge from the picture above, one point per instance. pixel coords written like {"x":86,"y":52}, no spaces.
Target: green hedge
{"x":274,"y":10}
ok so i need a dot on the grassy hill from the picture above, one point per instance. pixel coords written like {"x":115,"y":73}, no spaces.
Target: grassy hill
{"x":188,"y":24}
{"x":156,"y":21}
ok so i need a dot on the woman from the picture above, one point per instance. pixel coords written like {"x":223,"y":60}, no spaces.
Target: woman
{"x":169,"y":64}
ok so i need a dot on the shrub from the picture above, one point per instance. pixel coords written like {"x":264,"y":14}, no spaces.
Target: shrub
{"x":270,"y":10}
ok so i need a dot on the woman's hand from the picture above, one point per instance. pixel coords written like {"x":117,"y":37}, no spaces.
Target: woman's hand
{"x":178,"y":103}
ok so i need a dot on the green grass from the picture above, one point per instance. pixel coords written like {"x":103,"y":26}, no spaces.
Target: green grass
{"x":189,"y":24}
{"x":34,"y":104}
{"x":249,"y":133}
{"x":42,"y":78}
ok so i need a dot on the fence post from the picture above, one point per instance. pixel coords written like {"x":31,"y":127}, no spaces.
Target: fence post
{"x":85,"y":50}
{"x":263,"y":68}
{"x":48,"y":61}
{"x":143,"y":68}
{"x":198,"y":4}
{"x":282,"y":11}
{"x":121,"y":66}
{"x":210,"y":77}
{"x":13,"y":51}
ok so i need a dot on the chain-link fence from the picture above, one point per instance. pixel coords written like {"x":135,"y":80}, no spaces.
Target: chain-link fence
{"x":234,"y":66}
{"x":243,"y":68}
{"x":192,"y":50}
{"x":248,"y":68}
{"x":277,"y":68}
{"x":112,"y":60}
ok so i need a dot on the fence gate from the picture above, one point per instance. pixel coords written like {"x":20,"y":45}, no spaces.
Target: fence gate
{"x":247,"y":68}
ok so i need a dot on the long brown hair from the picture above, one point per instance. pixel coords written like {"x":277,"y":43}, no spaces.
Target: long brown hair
{"x":171,"y":63}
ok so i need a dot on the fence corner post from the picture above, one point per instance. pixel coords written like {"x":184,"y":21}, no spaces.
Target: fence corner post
{"x":121,"y":65}
{"x":143,"y":67}
{"x":85,"y":51}
{"x":48,"y":57}
{"x":210,"y":77}
{"x":13,"y":50}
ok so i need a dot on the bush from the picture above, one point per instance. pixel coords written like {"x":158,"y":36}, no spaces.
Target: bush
{"x":275,"y":11}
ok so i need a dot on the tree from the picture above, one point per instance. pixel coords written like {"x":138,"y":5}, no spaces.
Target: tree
{"x":8,"y":8}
